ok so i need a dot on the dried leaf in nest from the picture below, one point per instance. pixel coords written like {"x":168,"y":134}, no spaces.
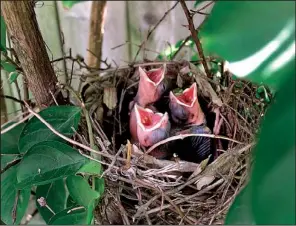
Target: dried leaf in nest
{"x":110,"y":97}
{"x":99,"y":114}
{"x":204,"y":181}
{"x":205,"y":86}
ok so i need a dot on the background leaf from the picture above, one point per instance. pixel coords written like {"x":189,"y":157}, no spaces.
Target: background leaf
{"x":3,"y":34}
{"x":68,"y":217}
{"x":9,"y":140}
{"x":48,"y":161}
{"x":248,"y":29}
{"x":69,"y":4}
{"x":62,"y":118}
{"x":55,"y":195}
{"x":9,"y":67}
{"x":8,"y":194}
{"x":13,"y":76}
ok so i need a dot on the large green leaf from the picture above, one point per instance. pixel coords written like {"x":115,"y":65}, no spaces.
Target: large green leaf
{"x":256,"y":38}
{"x":55,"y":196}
{"x":70,"y":216}
{"x":62,"y":118}
{"x":8,"y":196}
{"x":48,"y":161}
{"x":3,"y":34}
{"x":80,"y":191}
{"x":9,"y":140}
{"x":7,"y":66}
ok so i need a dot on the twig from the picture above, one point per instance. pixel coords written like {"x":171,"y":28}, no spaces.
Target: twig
{"x":112,"y":163}
{"x":13,"y":98}
{"x":153,"y":29}
{"x":180,"y":48}
{"x":10,"y":164}
{"x":14,"y":209}
{"x":182,"y":136}
{"x":15,"y":124}
{"x":195,"y":37}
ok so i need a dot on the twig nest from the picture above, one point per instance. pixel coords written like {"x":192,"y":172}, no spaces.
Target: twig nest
{"x":164,"y":191}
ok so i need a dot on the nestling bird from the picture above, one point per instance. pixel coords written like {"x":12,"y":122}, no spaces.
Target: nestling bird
{"x":185,"y":109}
{"x":152,"y":127}
{"x":150,"y":89}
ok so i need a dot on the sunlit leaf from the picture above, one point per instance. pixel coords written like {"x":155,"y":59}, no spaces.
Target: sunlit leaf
{"x":7,"y":66}
{"x":69,"y":4}
{"x":257,"y":39}
{"x":13,"y":76}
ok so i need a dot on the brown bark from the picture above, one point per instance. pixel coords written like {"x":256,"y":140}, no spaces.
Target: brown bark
{"x":29,"y":46}
{"x":95,"y":34}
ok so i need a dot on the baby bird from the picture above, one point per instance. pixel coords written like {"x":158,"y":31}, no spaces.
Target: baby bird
{"x":185,"y":109}
{"x":152,"y":127}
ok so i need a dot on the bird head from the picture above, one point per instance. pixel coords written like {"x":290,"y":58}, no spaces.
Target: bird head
{"x":151,"y":85}
{"x":185,"y":107}
{"x":152,"y":127}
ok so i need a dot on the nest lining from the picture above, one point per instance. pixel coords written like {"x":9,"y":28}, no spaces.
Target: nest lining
{"x":141,"y":189}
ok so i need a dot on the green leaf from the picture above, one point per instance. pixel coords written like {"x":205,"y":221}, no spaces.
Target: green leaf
{"x":8,"y":196}
{"x":9,"y":140}
{"x":3,"y":35}
{"x":55,"y":196}
{"x":62,"y":118}
{"x":13,"y":76}
{"x":80,"y":191}
{"x":70,"y":202}
{"x":257,"y":39}
{"x":69,"y":4}
{"x":273,"y":172}
{"x":100,"y":185}
{"x":92,"y":167}
{"x":70,"y":216}
{"x":48,"y":161}
{"x":9,"y":67}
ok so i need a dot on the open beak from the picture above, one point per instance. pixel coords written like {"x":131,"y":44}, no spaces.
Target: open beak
{"x":153,"y":76}
{"x":151,"y":85}
{"x":187,"y":98}
{"x":149,"y":121}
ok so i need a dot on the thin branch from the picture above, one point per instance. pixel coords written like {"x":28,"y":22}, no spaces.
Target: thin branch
{"x":11,"y":164}
{"x":182,"y":136}
{"x":16,"y":124}
{"x":154,"y":28}
{"x":13,"y":98}
{"x":195,"y":37}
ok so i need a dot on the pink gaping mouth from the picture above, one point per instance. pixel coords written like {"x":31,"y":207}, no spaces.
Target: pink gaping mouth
{"x":147,"y":119}
{"x":187,"y":98}
{"x":154,"y":76}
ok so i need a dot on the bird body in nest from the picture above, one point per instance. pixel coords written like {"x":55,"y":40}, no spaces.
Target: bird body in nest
{"x":185,"y":109}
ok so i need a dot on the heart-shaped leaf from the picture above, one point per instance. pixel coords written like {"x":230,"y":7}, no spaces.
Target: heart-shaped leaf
{"x":3,"y":35}
{"x":48,"y":161}
{"x":70,"y":216}
{"x":63,"y":118}
{"x":80,"y":191}
{"x":8,"y":197}
{"x":55,"y":196}
{"x":9,"y":140}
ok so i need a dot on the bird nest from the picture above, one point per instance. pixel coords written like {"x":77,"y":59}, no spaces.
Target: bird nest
{"x":140,"y":189}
